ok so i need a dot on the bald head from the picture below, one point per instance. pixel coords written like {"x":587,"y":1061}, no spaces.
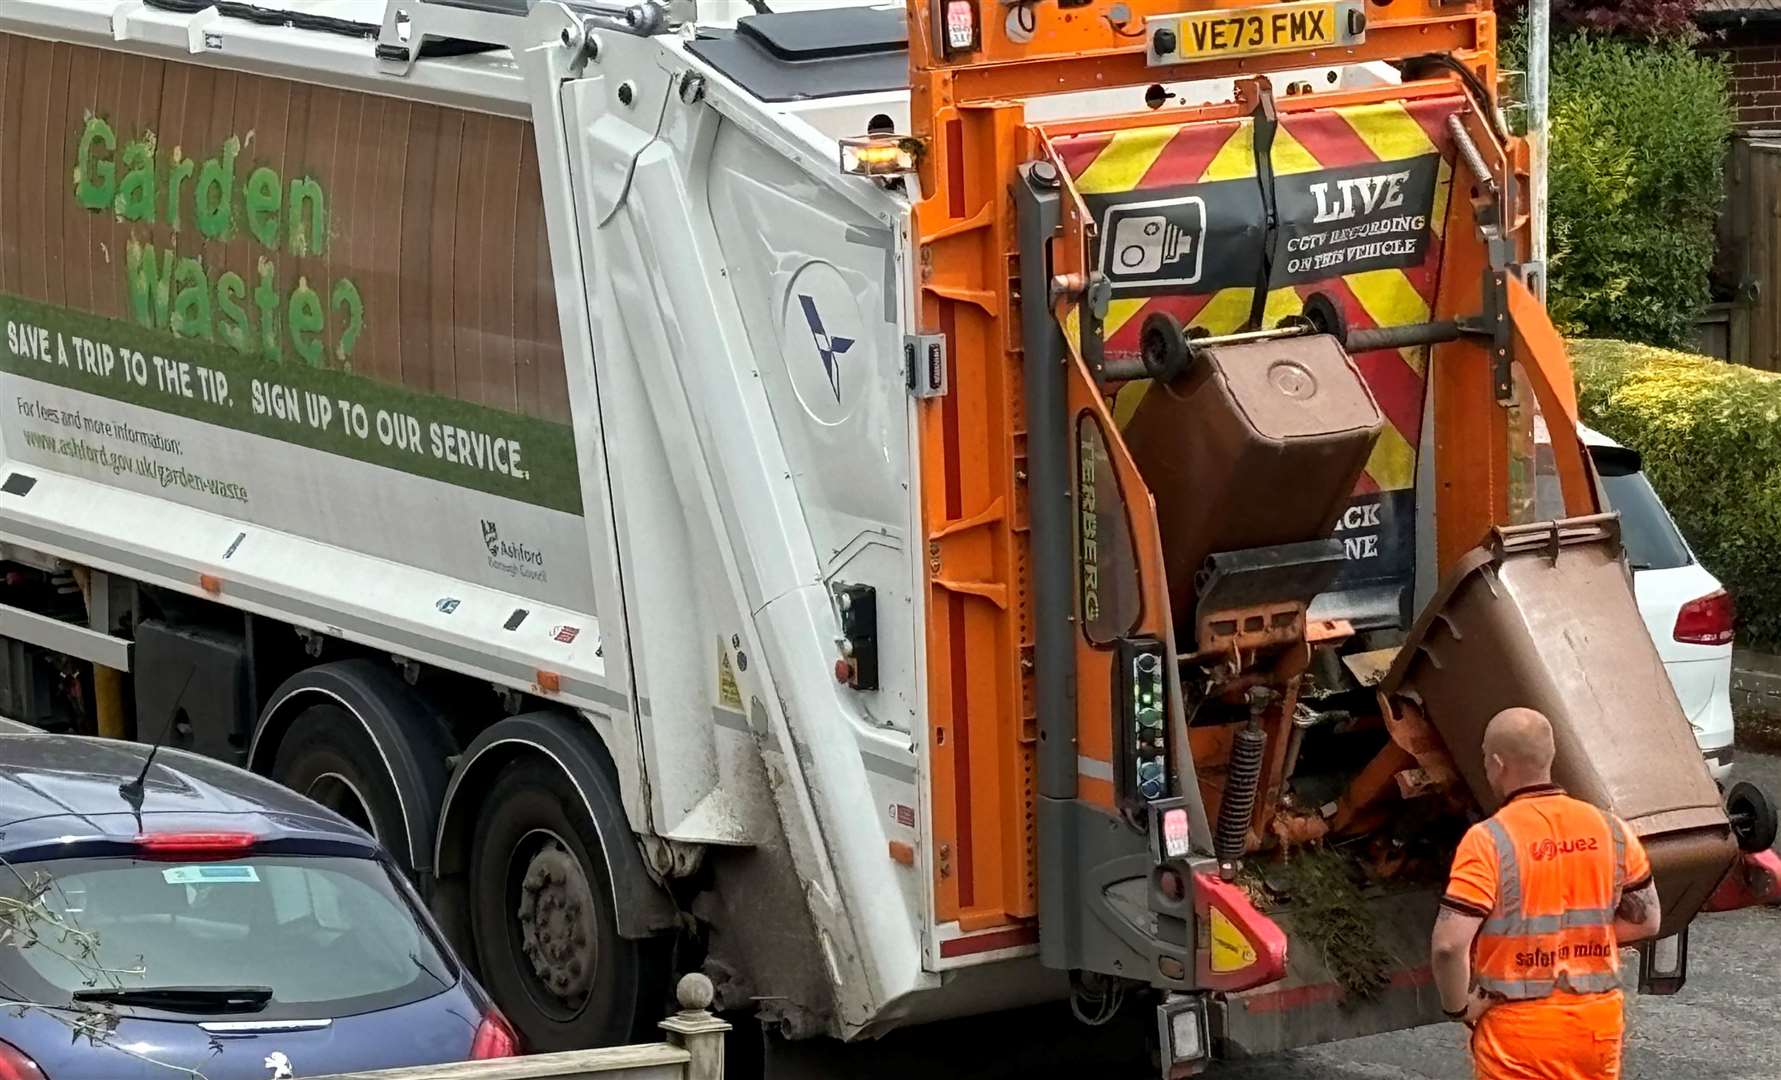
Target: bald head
{"x":1518,"y":750}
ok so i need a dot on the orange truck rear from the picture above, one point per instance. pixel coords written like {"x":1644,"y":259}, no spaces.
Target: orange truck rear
{"x":1262,"y":499}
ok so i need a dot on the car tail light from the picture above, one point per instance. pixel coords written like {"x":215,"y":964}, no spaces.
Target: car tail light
{"x":494,"y":1039}
{"x":1707,"y":620}
{"x":194,"y":845}
{"x":14,"y":1065}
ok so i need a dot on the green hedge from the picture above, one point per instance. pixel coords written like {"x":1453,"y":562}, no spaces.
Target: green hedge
{"x":1710,"y":433}
{"x":1639,"y":133}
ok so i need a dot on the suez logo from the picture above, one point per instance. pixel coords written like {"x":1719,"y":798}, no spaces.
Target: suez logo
{"x":1541,"y":850}
{"x":511,"y":557}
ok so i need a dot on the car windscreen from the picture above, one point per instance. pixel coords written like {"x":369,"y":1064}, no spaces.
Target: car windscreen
{"x":329,"y":936}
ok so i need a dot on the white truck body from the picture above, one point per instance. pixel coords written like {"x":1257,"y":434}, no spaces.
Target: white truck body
{"x":724,"y":481}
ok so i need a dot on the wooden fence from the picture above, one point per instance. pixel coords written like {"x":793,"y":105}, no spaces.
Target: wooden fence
{"x":1747,"y":328}
{"x":694,"y":1050}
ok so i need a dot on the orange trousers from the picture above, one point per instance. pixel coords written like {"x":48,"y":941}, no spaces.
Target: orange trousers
{"x":1562,"y":1037}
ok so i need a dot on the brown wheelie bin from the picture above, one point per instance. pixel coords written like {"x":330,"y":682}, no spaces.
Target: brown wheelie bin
{"x":1543,"y":616}
{"x":1258,"y":444}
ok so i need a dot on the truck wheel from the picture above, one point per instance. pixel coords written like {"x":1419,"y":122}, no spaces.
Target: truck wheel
{"x":1752,"y":816}
{"x":353,"y":735}
{"x":542,"y":915}
{"x":327,"y":756}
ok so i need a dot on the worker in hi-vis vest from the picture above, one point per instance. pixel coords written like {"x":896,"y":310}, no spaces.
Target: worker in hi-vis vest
{"x":1542,"y":895}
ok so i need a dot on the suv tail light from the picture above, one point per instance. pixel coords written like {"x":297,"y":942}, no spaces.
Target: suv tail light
{"x":14,"y":1065}
{"x":494,"y":1039}
{"x":1707,"y":620}
{"x":194,"y":845}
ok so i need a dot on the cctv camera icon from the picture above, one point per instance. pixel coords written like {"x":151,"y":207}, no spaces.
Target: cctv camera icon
{"x":1141,"y":245}
{"x":1154,"y":243}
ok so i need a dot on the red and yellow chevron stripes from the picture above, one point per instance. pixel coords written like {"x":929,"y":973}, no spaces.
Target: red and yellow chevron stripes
{"x":1170,"y":156}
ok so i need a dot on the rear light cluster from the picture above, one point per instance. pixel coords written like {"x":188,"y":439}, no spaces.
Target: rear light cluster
{"x":1707,"y":620}
{"x":494,"y":1039}
{"x":14,"y":1065}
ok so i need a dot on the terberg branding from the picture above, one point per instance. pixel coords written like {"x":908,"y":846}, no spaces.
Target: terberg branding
{"x":829,"y":347}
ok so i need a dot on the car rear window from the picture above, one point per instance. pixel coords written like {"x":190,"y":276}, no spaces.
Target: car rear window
{"x":1650,"y":537}
{"x":330,"y":936}
{"x":1646,"y":531}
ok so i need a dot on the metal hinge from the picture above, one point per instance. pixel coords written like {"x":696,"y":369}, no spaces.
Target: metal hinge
{"x":924,"y":364}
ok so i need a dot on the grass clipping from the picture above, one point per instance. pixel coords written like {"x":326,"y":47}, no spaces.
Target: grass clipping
{"x":1331,"y":916}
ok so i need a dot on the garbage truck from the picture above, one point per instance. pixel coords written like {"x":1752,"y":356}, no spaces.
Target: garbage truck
{"x":920,"y":512}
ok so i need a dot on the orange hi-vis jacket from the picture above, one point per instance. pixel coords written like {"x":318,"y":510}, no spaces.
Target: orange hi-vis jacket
{"x":1545,"y":874}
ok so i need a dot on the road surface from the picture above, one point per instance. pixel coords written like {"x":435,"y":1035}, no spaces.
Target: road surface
{"x":1723,"y":1026}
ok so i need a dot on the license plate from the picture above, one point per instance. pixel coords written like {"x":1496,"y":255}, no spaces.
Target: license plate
{"x":1208,"y":35}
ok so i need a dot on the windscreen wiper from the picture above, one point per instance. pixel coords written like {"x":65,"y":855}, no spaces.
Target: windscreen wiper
{"x":202,"y":999}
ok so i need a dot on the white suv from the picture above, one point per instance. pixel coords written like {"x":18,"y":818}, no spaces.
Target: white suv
{"x":1686,"y":610}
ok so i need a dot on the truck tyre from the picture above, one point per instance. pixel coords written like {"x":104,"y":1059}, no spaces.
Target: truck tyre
{"x":327,"y":756}
{"x":358,"y":739}
{"x":1753,"y":816}
{"x":544,"y":921}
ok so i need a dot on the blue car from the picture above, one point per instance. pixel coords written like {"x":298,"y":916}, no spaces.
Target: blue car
{"x":207,"y":919}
